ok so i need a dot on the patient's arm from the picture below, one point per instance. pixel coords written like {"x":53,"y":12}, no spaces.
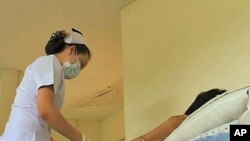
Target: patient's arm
{"x":163,"y":130}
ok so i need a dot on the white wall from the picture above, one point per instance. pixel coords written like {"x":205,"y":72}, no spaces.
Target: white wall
{"x":172,"y":50}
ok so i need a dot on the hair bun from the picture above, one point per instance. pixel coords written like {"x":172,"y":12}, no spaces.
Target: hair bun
{"x":56,"y":42}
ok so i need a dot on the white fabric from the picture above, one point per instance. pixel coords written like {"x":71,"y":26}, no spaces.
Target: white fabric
{"x":75,"y":38}
{"x":218,"y":111}
{"x":223,"y":129}
{"x":24,"y":123}
{"x":245,"y":117}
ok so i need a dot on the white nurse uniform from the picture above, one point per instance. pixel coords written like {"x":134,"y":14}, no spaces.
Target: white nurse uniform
{"x":24,"y":123}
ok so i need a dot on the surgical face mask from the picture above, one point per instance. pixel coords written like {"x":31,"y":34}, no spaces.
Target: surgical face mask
{"x":71,"y":70}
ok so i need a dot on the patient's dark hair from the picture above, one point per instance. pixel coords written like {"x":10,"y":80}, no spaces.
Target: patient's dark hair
{"x":202,"y":98}
{"x":56,"y":44}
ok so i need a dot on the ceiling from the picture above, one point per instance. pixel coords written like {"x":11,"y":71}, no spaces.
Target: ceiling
{"x":26,"y":27}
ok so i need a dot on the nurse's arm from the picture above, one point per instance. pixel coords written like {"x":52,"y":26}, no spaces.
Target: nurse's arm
{"x":52,"y":116}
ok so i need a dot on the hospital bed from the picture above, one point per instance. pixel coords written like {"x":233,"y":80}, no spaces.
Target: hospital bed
{"x":214,"y":118}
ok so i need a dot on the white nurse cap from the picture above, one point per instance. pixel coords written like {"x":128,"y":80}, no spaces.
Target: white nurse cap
{"x":75,"y":37}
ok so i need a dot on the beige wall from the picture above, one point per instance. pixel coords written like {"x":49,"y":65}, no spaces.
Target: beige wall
{"x":172,"y":50}
{"x":113,"y":127}
{"x":9,"y":79}
{"x":92,"y":129}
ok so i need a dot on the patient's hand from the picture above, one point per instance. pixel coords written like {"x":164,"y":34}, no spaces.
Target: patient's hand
{"x":163,"y":130}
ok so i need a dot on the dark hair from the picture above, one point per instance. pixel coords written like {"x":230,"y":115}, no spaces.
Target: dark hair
{"x":202,"y":98}
{"x":82,"y":49}
{"x":56,"y":44}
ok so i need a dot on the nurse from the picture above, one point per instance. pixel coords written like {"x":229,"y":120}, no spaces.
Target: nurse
{"x":40,"y":95}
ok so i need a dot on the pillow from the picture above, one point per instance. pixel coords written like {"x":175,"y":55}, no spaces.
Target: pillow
{"x":217,"y":111}
{"x":220,"y":133}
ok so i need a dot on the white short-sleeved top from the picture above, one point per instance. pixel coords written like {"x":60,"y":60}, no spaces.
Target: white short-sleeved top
{"x":24,"y":123}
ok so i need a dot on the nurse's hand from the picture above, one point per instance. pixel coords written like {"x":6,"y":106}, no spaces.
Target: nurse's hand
{"x":163,"y":130}
{"x":78,"y":137}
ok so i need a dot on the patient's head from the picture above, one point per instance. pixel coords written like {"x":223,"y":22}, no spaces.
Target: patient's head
{"x":202,"y":98}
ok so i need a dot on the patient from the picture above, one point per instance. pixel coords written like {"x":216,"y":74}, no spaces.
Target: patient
{"x":167,"y":127}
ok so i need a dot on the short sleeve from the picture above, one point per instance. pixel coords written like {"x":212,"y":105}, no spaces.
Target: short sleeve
{"x":43,"y":71}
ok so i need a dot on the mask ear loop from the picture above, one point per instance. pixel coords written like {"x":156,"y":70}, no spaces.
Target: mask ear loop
{"x":70,"y":54}
{"x":76,"y":53}
{"x":68,"y":57}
